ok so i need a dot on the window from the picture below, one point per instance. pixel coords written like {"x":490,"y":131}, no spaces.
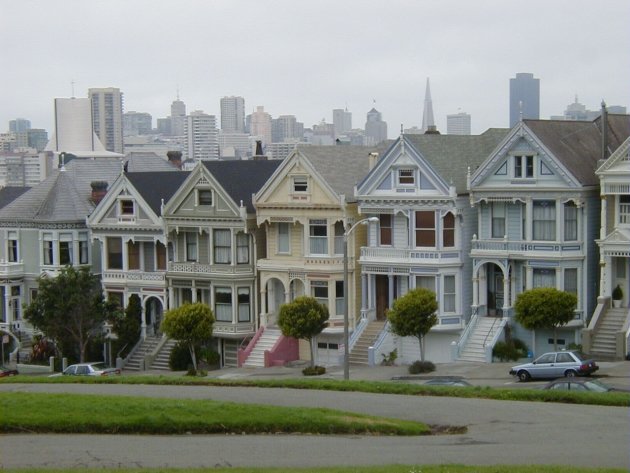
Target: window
{"x":544,"y":220}
{"x":570,"y":222}
{"x":425,"y":282}
{"x":47,"y":247}
{"x":406,"y":177}
{"x":222,"y":247}
{"x":339,"y":297}
{"x":83,"y":248}
{"x":284,"y":238}
{"x":133,"y":255}
{"x":223,"y":304}
{"x":571,"y":280}
{"x":425,"y":228}
{"x":524,"y":166}
{"x":191,"y":246}
{"x":448,"y":230}
{"x":114,"y":253}
{"x":544,"y":277}
{"x":242,"y":248}
{"x":126,"y":207}
{"x":318,"y":237}
{"x":300,"y":184}
{"x":160,"y":253}
{"x":385,"y":229}
{"x":243,"y":304}
{"x":449,"y":294}
{"x":65,"y":249}
{"x":319,"y":290}
{"x":204,"y":196}
{"x":339,"y":231}
{"x":624,"y":209}
{"x":12,"y":247}
{"x":498,"y":219}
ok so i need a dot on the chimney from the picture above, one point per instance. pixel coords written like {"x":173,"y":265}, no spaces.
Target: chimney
{"x":604,"y":130}
{"x":99,"y":189}
{"x":372,"y":159}
{"x":259,"y":155}
{"x":175,"y":158}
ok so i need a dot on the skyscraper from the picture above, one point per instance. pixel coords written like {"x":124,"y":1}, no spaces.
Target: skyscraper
{"x":260,"y":125}
{"x":428,"y":120}
{"x":137,"y":123}
{"x":202,"y":136}
{"x":458,"y":124}
{"x":178,"y":117}
{"x":375,"y":127}
{"x":107,"y":112}
{"x":342,"y":121}
{"x":524,"y":97}
{"x":233,"y":114}
{"x":19,"y":124}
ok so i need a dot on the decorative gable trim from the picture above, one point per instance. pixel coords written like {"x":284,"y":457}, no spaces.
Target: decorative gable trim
{"x":621,"y":155}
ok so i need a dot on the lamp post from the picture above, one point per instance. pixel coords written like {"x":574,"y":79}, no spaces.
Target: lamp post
{"x":346,"y":294}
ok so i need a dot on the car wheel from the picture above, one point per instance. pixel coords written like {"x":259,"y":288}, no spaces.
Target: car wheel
{"x":570,"y":374}
{"x":524,"y":376}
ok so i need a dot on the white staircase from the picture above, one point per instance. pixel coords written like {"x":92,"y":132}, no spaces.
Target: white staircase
{"x":162,"y":358}
{"x":267,"y":340}
{"x":359,"y":353}
{"x":136,"y":362}
{"x":483,"y":332}
{"x":604,"y":344}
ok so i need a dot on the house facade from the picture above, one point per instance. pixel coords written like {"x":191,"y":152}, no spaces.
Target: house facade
{"x":417,"y":189}
{"x":538,"y":207}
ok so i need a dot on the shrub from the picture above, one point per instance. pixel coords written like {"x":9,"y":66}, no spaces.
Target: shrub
{"x":313,"y":370}
{"x":510,"y":350}
{"x":389,"y":360}
{"x":617,"y":293}
{"x":179,"y":359}
{"x":421,"y":367}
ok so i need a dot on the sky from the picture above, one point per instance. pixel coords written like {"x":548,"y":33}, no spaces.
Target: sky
{"x":307,"y":58}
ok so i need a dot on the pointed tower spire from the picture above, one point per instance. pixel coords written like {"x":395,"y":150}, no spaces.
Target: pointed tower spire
{"x":428,"y":121}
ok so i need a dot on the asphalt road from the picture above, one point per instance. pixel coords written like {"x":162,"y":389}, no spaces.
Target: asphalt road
{"x":498,"y":433}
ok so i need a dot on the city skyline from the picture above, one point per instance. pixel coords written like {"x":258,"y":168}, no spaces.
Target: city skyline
{"x":356,"y":55}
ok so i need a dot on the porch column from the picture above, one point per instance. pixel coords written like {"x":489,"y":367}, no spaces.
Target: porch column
{"x":7,"y":302}
{"x":193,"y":291}
{"x":475,"y":294}
{"x":390,"y":280}
{"x":143,"y":322}
{"x":605,"y":276}
{"x":559,"y":220}
{"x":529,"y":281}
{"x":559,"y":279}
{"x":506,"y":293}
{"x":171,"y":296}
{"x":529,"y":207}
{"x":263,"y":304}
{"x":602,"y":219}
{"x":364,"y":286}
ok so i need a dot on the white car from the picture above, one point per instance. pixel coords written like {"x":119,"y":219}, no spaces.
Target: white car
{"x":88,"y":369}
{"x":554,"y":365}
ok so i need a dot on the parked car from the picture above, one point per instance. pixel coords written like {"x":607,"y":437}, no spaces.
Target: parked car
{"x":556,"y":364}
{"x":89,"y":369}
{"x":580,"y":384}
{"x":448,"y":381}
{"x":7,"y":372}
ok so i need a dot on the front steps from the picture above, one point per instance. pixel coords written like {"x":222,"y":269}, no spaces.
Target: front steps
{"x":604,"y":341}
{"x":267,"y":340}
{"x":484,"y":330}
{"x":136,"y":362}
{"x":359,"y":353}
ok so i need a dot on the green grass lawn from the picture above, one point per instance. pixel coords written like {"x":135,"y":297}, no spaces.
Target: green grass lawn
{"x":74,"y":413}
{"x":618,"y":399}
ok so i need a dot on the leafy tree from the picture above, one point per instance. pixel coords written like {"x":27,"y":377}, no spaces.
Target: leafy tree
{"x":70,"y":309}
{"x":413,"y":315}
{"x":190,"y":324}
{"x":545,"y":308}
{"x":304,"y":318}
{"x":127,"y":325}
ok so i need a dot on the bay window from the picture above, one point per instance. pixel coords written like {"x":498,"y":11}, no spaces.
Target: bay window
{"x":47,"y":247}
{"x":339,"y":297}
{"x":133,"y":255}
{"x":242,"y":248}
{"x":570,"y":222}
{"x":425,"y":228}
{"x":544,"y":277}
{"x":339,"y":231}
{"x":544,"y":220}
{"x":318,"y":236}
{"x":448,"y":230}
{"x":191,"y":246}
{"x":449,"y":294}
{"x":283,"y":238}
{"x":65,"y":248}
{"x":498,"y":211}
{"x":244,"y":304}
{"x":83,"y":248}
{"x":223,"y":304}
{"x":12,"y":247}
{"x":222,"y":246}
{"x":114,"y":253}
{"x":319,"y":290}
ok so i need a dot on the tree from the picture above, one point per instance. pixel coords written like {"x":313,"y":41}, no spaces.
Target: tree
{"x":70,"y":309}
{"x":545,"y":308}
{"x":304,"y":318}
{"x":127,"y":325}
{"x":413,"y":315}
{"x":190,"y":324}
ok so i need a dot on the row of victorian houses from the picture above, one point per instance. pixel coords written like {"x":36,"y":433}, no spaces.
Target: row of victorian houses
{"x":478,"y":219}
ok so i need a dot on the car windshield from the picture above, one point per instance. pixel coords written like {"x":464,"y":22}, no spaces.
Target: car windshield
{"x":98,"y":366}
{"x":596,"y":386}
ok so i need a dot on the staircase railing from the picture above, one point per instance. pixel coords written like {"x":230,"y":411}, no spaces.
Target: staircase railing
{"x":463,"y":339}
{"x":598,"y":316}
{"x":488,"y":347}
{"x":125,"y":360}
{"x":243,"y":353}
{"x":150,"y":358}
{"x":378,"y":343}
{"x":358,"y":331}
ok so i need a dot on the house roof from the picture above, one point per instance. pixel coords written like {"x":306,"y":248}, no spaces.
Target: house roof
{"x":65,"y":196}
{"x":242,"y":179}
{"x":157,"y":186}
{"x":140,"y":161}
{"x":452,"y":155}
{"x":577,"y":144}
{"x":9,"y":194}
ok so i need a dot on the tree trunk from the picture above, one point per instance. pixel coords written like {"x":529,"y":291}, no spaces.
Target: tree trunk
{"x":191,"y":348}
{"x":555,"y":339}
{"x":420,"y":342}
{"x":310,"y":344}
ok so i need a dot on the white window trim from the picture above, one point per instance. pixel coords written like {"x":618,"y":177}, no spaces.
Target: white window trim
{"x":413,"y":176}
{"x":197,"y":199}
{"x":288,"y":252}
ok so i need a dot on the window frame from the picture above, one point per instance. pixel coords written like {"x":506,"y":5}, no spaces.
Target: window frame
{"x":551,"y":222}
{"x":111,"y":255}
{"x":217,"y":247}
{"x":191,"y":246}
{"x":497,"y":208}
{"x":299,"y":184}
{"x":242,"y":304}
{"x":406,"y":177}
{"x":313,"y":226}
{"x":451,"y":297}
{"x":48,"y":249}
{"x":201,"y":197}
{"x":13,"y":247}
{"x":419,"y":230}
{"x":448,"y":232}
{"x":221,"y":305}
{"x":385,"y":228}
{"x":282,"y":237}
{"x":320,"y":286}
{"x":570,"y":224}
{"x":242,"y":249}
{"x":65,"y":248}
{"x":127,"y":207}
{"x":524,"y":166}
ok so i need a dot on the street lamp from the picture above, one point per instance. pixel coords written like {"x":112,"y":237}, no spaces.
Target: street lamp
{"x":346,"y":294}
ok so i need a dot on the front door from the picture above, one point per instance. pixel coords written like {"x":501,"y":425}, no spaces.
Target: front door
{"x":382,"y":296}
{"x":495,"y":290}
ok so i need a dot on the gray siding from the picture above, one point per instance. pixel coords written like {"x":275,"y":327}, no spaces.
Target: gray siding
{"x":149,"y":260}
{"x":401,"y":231}
{"x":514,"y":222}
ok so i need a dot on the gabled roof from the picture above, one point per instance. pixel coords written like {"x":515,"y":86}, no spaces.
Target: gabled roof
{"x":65,"y":196}
{"x":452,"y":155}
{"x":157,"y":186}
{"x":9,"y":194}
{"x":618,"y":160}
{"x":143,"y":161}
{"x":242,"y":179}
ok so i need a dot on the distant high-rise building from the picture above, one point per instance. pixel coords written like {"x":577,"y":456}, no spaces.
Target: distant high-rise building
{"x":234,"y":145}
{"x":458,"y":124}
{"x":524,"y":97}
{"x":578,"y":111}
{"x":375,"y":127}
{"x":260,"y":125}
{"x":342,"y":121}
{"x":19,"y":124}
{"x":137,"y":123}
{"x":202,"y":136}
{"x":35,"y":138}
{"x":107,"y":112}
{"x":178,"y":117}
{"x":428,"y":120}
{"x":286,"y":128}
{"x":323,"y":134}
{"x":233,"y":114}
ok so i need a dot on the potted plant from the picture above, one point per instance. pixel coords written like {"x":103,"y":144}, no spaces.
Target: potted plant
{"x":617,"y":295}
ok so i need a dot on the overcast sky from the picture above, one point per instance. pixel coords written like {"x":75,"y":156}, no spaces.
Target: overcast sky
{"x":306,"y":58}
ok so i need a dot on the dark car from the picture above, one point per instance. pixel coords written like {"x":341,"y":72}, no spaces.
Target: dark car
{"x":556,"y":364}
{"x":7,"y":372}
{"x":448,"y":381}
{"x":88,"y":369}
{"x":580,"y":384}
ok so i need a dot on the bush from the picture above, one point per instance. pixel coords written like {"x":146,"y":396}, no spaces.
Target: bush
{"x":510,"y":350}
{"x":421,"y":367}
{"x":313,"y":370}
{"x":179,"y":359}
{"x":389,"y":360}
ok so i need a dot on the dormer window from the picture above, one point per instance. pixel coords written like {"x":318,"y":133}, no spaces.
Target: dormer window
{"x":300,"y":184}
{"x":204,"y":196}
{"x":126,"y":207}
{"x":524,"y":167}
{"x":406,"y":177}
